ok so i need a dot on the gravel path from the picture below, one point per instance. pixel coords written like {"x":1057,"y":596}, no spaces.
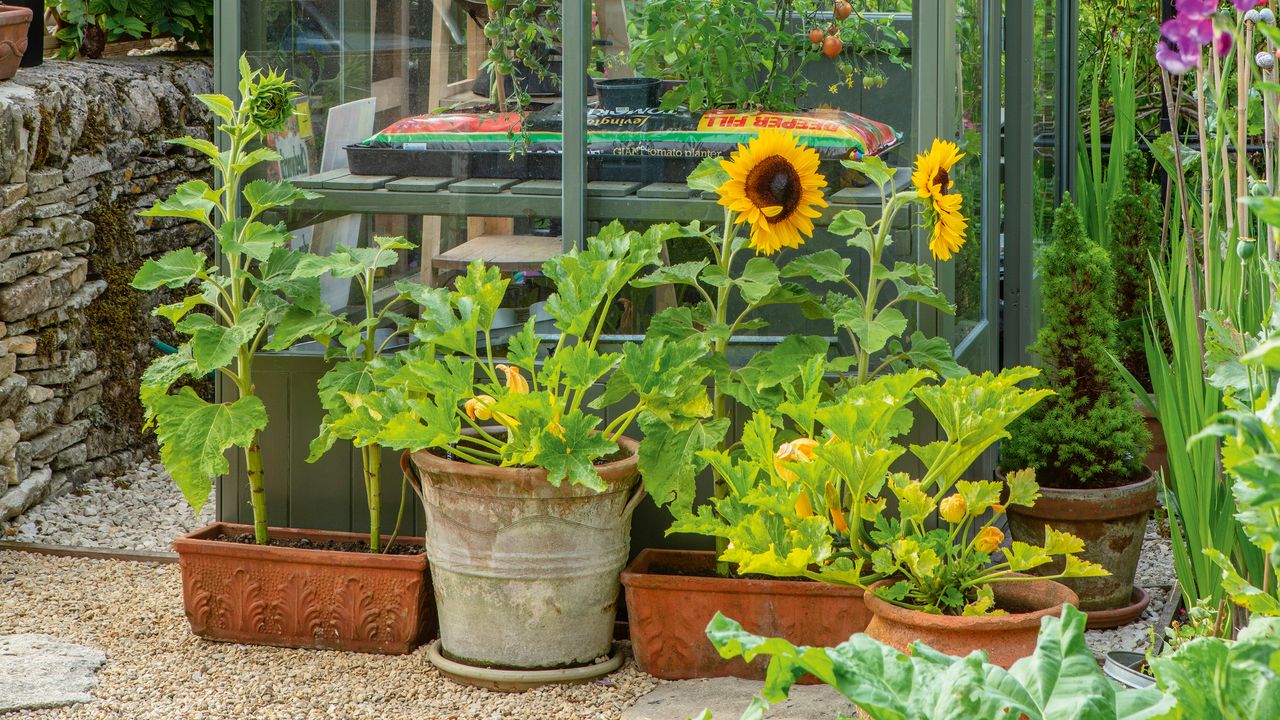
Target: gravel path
{"x":1156,"y":576}
{"x":139,"y":510}
{"x":157,"y":671}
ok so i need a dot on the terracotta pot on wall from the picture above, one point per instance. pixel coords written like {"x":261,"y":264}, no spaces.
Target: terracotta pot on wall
{"x":1112,"y":522}
{"x":14,"y":22}
{"x":673,"y":594}
{"x":304,"y":598}
{"x":1005,"y":638}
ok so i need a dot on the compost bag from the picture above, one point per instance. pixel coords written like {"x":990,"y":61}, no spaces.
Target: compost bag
{"x":645,"y":144}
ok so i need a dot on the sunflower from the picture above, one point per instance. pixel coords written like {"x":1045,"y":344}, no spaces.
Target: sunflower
{"x":932,"y":178}
{"x":775,"y":186}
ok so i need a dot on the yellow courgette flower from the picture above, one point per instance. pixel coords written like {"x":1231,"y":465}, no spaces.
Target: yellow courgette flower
{"x":515,"y":381}
{"x":988,"y":540}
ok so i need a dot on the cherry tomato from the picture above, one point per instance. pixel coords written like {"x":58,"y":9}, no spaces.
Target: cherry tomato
{"x":831,"y":46}
{"x":815,"y":35}
{"x":842,"y":9}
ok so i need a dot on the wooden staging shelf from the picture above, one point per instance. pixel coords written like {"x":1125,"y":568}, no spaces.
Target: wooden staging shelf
{"x":344,"y":193}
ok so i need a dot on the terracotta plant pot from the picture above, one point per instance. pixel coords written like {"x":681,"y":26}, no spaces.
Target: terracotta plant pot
{"x":14,"y":22}
{"x":1005,"y":638}
{"x":1158,"y":457}
{"x":673,"y":594}
{"x":303,"y":598}
{"x":525,"y":573}
{"x":1111,"y":521}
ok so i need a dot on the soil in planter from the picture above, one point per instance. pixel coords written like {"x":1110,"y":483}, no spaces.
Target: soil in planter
{"x":711,"y":573}
{"x":620,"y":454}
{"x":305,"y":544}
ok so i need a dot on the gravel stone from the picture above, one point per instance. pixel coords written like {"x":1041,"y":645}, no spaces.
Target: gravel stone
{"x":158,"y":671}
{"x":139,"y":510}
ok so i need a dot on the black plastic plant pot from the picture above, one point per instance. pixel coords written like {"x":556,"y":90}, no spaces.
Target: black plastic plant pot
{"x":629,"y":93}
{"x":35,"y":32}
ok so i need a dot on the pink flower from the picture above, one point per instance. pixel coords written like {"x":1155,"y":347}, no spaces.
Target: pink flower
{"x":1183,"y":37}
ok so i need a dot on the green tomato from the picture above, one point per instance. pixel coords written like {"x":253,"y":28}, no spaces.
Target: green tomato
{"x":492,"y":29}
{"x":529,"y":7}
{"x":496,"y":5}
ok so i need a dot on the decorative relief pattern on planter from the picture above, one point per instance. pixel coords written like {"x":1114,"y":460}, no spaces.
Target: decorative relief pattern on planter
{"x":304,"y":598}
{"x":672,"y":595}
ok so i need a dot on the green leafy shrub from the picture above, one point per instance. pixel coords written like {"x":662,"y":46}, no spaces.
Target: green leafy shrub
{"x":87,"y":25}
{"x":1061,"y":680}
{"x":1135,"y":239}
{"x":1089,"y":433}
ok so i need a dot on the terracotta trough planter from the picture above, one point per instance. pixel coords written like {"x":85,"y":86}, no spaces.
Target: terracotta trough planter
{"x":673,"y":594}
{"x":1006,"y":638}
{"x":1111,"y":521}
{"x":302,"y":598}
{"x":14,"y":22}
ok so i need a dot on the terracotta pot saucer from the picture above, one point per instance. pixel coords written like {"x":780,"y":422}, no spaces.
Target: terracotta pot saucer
{"x":1106,"y":619}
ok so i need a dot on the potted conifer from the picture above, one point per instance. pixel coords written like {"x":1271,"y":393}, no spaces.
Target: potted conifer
{"x":1135,"y":241}
{"x":1087,"y":442}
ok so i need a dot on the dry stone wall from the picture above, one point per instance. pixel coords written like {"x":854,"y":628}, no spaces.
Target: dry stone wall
{"x":82,"y":150}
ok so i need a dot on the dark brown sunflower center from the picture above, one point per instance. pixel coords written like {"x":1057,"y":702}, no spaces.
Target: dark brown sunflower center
{"x":774,"y":182}
{"x":942,"y":180}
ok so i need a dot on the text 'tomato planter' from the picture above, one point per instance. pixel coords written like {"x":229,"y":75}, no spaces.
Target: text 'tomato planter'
{"x":525,"y":573}
{"x":1005,"y":638}
{"x":1111,"y":521}
{"x":304,"y":598}
{"x":673,"y":594}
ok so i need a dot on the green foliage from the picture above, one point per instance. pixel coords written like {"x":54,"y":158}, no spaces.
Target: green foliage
{"x":436,"y":394}
{"x":355,"y":343}
{"x":754,"y":53}
{"x":233,"y":309}
{"x":1135,"y":219}
{"x":1217,"y":679}
{"x":787,"y":382}
{"x":815,"y":507}
{"x":187,"y":21}
{"x":1250,"y":432}
{"x":1060,"y":681}
{"x":1089,"y":433}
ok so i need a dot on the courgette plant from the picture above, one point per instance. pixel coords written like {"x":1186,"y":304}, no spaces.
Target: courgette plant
{"x":235,"y":306}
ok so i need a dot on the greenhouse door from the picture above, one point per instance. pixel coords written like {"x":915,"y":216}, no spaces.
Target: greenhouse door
{"x":959,"y":99}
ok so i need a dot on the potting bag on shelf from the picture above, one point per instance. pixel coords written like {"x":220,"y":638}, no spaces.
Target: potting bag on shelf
{"x":835,"y":134}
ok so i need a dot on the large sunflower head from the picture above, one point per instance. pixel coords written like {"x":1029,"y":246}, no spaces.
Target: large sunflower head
{"x":942,"y":208}
{"x":775,"y":186}
{"x":932,"y":174}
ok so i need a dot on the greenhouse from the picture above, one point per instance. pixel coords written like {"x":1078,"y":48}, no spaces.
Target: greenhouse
{"x":639,"y":359}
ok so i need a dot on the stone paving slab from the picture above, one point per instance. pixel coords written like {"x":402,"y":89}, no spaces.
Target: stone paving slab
{"x":728,"y":697}
{"x":39,"y":671}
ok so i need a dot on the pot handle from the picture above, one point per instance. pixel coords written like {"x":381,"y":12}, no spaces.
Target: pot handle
{"x":634,"y":502}
{"x":411,"y":474}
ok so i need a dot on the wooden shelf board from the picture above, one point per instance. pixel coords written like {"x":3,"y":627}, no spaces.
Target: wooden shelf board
{"x":511,"y":253}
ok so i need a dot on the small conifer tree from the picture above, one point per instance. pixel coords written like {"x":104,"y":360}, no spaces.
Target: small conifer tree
{"x":1089,"y":433}
{"x":1135,"y":240}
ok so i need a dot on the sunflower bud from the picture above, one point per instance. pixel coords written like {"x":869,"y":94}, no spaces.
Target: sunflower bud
{"x":988,"y":540}
{"x":953,"y":508}
{"x":515,"y":381}
{"x":270,"y":102}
